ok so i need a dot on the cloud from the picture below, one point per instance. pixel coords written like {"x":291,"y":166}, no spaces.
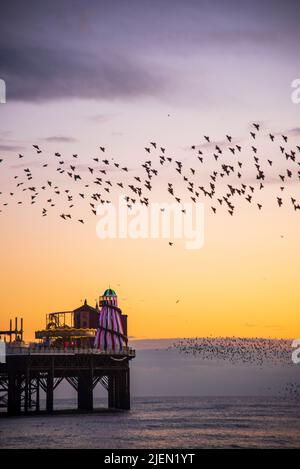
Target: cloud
{"x":56,"y":50}
{"x":60,"y":139}
{"x":4,"y":147}
{"x":161,"y":372}
{"x":295,"y":131}
{"x":39,"y":74}
{"x":100,"y":118}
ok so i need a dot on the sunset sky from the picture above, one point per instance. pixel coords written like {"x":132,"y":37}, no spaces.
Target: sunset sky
{"x":120,"y":75}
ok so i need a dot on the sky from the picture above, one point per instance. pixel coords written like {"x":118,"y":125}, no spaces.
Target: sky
{"x":160,"y":370}
{"x":80,"y":75}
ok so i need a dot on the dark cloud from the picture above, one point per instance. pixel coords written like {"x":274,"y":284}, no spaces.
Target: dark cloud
{"x":295,"y":131}
{"x":123,"y":50}
{"x":4,"y":147}
{"x":212,"y":144}
{"x":28,"y":164}
{"x":274,"y":326}
{"x":109,"y":169}
{"x":100,"y":118}
{"x":36,"y":74}
{"x":60,"y":139}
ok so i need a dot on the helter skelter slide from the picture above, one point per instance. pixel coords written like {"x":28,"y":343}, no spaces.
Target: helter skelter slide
{"x":112,"y":330}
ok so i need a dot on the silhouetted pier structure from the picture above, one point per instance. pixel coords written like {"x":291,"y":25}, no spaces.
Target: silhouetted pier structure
{"x":85,"y":347}
{"x":16,"y":332}
{"x":27,"y":371}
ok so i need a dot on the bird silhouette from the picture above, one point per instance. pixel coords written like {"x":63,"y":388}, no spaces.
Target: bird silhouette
{"x":220,"y":179}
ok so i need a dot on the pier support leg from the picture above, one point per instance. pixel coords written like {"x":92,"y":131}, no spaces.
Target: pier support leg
{"x":111,"y":391}
{"x":30,"y":393}
{"x":119,"y":390}
{"x":12,"y":399}
{"x":37,"y":395}
{"x":126,"y":394}
{"x":50,"y":386}
{"x":85,"y":390}
{"x":14,"y":393}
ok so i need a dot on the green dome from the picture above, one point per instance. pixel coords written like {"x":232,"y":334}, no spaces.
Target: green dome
{"x":109,"y":292}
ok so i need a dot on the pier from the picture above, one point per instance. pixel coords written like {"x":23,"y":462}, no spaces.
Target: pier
{"x":85,"y":347}
{"x":28,"y":371}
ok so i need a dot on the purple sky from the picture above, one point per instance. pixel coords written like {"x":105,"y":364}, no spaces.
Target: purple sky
{"x":107,"y":50}
{"x":121,"y":73}
{"x":85,"y":71}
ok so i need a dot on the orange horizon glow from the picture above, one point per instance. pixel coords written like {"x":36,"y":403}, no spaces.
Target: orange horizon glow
{"x":243,"y":282}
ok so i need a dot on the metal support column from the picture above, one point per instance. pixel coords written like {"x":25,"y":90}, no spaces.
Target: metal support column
{"x":85,"y":389}
{"x":50,"y":388}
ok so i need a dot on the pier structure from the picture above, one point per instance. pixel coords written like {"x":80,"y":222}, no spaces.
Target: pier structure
{"x":31,"y":372}
{"x":13,"y":335}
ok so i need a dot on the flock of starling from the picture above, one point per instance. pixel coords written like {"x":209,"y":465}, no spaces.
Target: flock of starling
{"x":90,"y":182}
{"x":291,"y":391}
{"x":244,"y":351}
{"x":238,"y":350}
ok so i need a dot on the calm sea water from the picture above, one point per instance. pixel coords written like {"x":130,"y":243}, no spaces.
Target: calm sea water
{"x":165,"y":422}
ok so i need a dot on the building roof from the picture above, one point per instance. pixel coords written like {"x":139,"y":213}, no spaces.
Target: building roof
{"x":109,"y":292}
{"x":85,"y":307}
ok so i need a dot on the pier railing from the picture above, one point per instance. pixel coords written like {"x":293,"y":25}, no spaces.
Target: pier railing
{"x":125,"y":351}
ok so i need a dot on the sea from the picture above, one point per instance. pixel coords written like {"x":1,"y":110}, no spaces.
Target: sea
{"x":162,"y":422}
